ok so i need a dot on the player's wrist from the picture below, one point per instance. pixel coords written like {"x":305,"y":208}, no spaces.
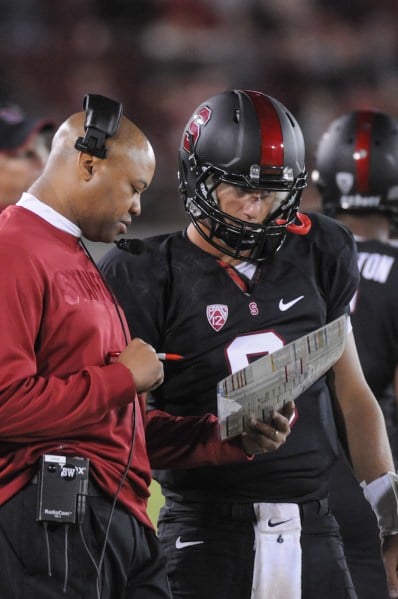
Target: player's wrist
{"x":382,"y":494}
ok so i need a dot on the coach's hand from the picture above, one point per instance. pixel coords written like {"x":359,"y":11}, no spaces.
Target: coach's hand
{"x":142,"y":361}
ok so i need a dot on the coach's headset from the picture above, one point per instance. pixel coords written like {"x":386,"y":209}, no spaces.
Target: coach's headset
{"x":102,"y":120}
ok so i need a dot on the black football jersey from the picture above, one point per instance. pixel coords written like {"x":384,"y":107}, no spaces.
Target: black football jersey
{"x":375,"y":314}
{"x":182,"y":300}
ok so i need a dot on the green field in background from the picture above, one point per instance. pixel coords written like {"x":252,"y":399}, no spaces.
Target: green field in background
{"x":155,"y":502}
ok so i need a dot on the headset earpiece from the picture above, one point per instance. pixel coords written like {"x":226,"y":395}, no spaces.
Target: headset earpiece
{"x":102,"y":121}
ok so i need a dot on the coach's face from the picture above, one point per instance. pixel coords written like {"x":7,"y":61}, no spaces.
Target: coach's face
{"x":112,"y":190}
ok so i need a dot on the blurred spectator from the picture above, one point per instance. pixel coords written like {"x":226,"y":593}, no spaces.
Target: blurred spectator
{"x":163,"y":57}
{"x":24,"y":147}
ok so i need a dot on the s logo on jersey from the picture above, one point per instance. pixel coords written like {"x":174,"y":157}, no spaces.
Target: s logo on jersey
{"x":253,"y":309}
{"x":217,"y":315}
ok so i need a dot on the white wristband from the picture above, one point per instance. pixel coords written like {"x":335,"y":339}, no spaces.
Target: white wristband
{"x":382,"y":494}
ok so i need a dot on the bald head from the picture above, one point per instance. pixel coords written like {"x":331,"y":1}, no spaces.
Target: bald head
{"x":128,"y":137}
{"x":79,"y":185}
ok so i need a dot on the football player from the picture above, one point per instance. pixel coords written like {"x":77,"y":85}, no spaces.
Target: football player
{"x":356,"y":172}
{"x":249,"y":274}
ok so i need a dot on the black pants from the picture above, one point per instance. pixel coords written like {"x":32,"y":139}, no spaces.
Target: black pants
{"x":210,"y":552}
{"x":133,"y":567}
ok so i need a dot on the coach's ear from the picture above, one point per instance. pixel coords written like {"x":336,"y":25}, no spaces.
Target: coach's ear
{"x":86,"y":166}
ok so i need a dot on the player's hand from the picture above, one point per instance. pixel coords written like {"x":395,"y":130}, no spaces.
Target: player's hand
{"x":142,"y":361}
{"x":389,"y":548}
{"x":263,"y":437}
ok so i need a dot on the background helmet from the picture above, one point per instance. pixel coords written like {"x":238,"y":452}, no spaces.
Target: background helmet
{"x":356,"y":164}
{"x":251,"y":140}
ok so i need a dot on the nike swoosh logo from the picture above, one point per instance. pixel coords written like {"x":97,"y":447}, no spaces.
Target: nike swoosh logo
{"x":283,"y":306}
{"x":181,"y":544}
{"x":271,"y":524}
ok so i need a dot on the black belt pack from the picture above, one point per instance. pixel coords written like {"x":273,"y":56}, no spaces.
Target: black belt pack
{"x":62,"y":488}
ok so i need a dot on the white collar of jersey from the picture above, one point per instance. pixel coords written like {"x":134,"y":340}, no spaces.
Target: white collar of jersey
{"x":246,"y":268}
{"x":30,"y":202}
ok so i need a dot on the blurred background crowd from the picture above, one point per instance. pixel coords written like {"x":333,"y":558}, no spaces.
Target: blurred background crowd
{"x":161,"y":58}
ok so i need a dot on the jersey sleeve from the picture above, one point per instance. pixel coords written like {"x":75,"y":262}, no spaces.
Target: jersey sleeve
{"x":34,"y":404}
{"x":189,"y":441}
{"x":338,"y":266}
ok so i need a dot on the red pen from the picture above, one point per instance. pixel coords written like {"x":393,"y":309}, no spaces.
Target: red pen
{"x":113,"y":356}
{"x":167,"y":356}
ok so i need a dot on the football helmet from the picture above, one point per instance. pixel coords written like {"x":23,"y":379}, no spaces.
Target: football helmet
{"x":356,"y":165}
{"x":250,"y":140}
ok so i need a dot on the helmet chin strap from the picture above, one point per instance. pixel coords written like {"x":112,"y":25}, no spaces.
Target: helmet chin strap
{"x":236,"y":244}
{"x":232,"y":238}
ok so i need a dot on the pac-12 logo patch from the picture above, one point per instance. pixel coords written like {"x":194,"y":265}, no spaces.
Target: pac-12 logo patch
{"x":217,"y":315}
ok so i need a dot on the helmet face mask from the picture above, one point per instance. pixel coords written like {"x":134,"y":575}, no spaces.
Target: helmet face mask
{"x":229,"y":146}
{"x":356,"y":165}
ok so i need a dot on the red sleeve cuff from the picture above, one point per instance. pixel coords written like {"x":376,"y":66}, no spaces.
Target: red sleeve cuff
{"x":120,"y":385}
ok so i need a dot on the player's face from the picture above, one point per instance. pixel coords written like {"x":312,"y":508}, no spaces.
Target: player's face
{"x":18,"y":169}
{"x":249,"y":205}
{"x":115,"y":195}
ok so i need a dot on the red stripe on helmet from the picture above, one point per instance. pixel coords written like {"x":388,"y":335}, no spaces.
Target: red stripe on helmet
{"x":272,"y":150}
{"x":362,"y":151}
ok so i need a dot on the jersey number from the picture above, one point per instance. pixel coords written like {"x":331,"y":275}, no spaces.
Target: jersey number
{"x":247,"y":348}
